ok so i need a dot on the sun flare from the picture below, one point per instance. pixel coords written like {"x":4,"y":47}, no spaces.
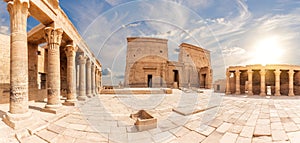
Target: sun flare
{"x":268,"y":51}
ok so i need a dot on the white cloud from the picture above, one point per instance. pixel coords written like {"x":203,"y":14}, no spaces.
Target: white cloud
{"x":4,"y":30}
{"x":233,"y":51}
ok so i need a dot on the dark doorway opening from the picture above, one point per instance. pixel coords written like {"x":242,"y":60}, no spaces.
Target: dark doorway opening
{"x":149,"y":80}
{"x":202,"y":80}
{"x":218,"y":87}
{"x":176,"y":77}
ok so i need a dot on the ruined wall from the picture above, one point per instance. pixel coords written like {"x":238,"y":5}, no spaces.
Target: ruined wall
{"x":4,"y":68}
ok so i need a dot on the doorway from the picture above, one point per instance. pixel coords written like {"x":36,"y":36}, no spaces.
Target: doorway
{"x":176,"y":77}
{"x":149,"y":80}
{"x":202,"y":80}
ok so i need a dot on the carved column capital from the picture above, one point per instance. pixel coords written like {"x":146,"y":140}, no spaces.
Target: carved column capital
{"x":249,"y":71}
{"x":88,"y":63}
{"x":237,"y":73}
{"x":82,"y":59}
{"x":228,"y":73}
{"x":277,"y":72}
{"x":262,"y":72}
{"x":291,"y":72}
{"x":70,"y":50}
{"x":18,"y":10}
{"x":53,"y":35}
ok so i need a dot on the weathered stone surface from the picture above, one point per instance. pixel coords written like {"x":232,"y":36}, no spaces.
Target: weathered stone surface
{"x":147,"y":65}
{"x":260,"y":76}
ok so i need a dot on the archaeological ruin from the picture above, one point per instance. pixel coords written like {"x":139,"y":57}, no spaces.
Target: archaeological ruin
{"x":263,"y":80}
{"x":147,"y":65}
{"x":47,"y":63}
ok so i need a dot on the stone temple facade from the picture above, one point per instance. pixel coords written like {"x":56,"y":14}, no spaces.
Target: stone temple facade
{"x":44,"y":64}
{"x":263,"y":80}
{"x":147,"y":65}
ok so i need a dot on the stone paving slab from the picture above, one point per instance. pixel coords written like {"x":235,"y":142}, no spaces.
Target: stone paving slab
{"x":105,"y":118}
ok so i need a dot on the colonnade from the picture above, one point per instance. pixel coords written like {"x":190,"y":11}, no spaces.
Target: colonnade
{"x":262,"y":72}
{"x":19,"y":115}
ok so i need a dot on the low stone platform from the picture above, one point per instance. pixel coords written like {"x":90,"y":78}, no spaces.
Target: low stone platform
{"x":137,"y":91}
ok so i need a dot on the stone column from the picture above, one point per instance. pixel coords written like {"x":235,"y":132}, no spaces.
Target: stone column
{"x":82,"y":81}
{"x":70,"y":51}
{"x":262,"y":82}
{"x":250,"y":73}
{"x":291,"y":83}
{"x":93,"y":79}
{"x":237,"y":82}
{"x":277,"y":82}
{"x":88,"y":78}
{"x":53,"y":38}
{"x":228,"y":83}
{"x":77,"y":79}
{"x":18,"y":113}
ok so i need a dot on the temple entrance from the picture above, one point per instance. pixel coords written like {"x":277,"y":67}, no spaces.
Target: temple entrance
{"x":176,"y":78}
{"x":149,"y":81}
{"x":202,"y":80}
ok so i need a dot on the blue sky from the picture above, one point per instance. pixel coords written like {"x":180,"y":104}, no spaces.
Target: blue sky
{"x":237,"y":32}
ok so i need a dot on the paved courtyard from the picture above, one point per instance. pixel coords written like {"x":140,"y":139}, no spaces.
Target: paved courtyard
{"x":218,"y":118}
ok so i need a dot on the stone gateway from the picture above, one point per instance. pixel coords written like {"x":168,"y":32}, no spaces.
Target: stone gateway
{"x":147,"y":65}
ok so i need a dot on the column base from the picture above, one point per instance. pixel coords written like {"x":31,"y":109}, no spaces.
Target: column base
{"x":89,"y":95}
{"x":54,"y":109}
{"x":18,"y":121}
{"x":70,"y":102}
{"x":250,"y":93}
{"x":291,"y":94}
{"x":82,"y":98}
{"x":238,"y":93}
{"x":262,"y":94}
{"x":277,"y":94}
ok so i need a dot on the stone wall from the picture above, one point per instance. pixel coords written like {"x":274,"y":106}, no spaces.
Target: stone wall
{"x":4,"y":68}
{"x":149,"y":57}
{"x":220,"y":85}
{"x":196,"y":66}
{"x":139,"y":51}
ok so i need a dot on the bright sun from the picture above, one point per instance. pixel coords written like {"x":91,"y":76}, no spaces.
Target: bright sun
{"x":268,"y":51}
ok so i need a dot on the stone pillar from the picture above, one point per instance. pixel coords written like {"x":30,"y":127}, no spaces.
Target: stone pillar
{"x":88,"y":78}
{"x":93,"y":79}
{"x":277,"y":82}
{"x":262,"y":82}
{"x":237,"y":82}
{"x":77,"y":79}
{"x":18,"y":114}
{"x":291,"y":83}
{"x":70,"y":51}
{"x":250,"y":73}
{"x":82,"y":81}
{"x":53,"y":38}
{"x":228,"y":83}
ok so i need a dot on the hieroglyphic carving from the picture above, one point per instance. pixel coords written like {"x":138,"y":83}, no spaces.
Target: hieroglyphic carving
{"x":18,"y":10}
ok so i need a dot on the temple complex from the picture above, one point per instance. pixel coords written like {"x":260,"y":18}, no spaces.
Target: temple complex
{"x":47,"y":63}
{"x":147,"y":65}
{"x":263,"y":80}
